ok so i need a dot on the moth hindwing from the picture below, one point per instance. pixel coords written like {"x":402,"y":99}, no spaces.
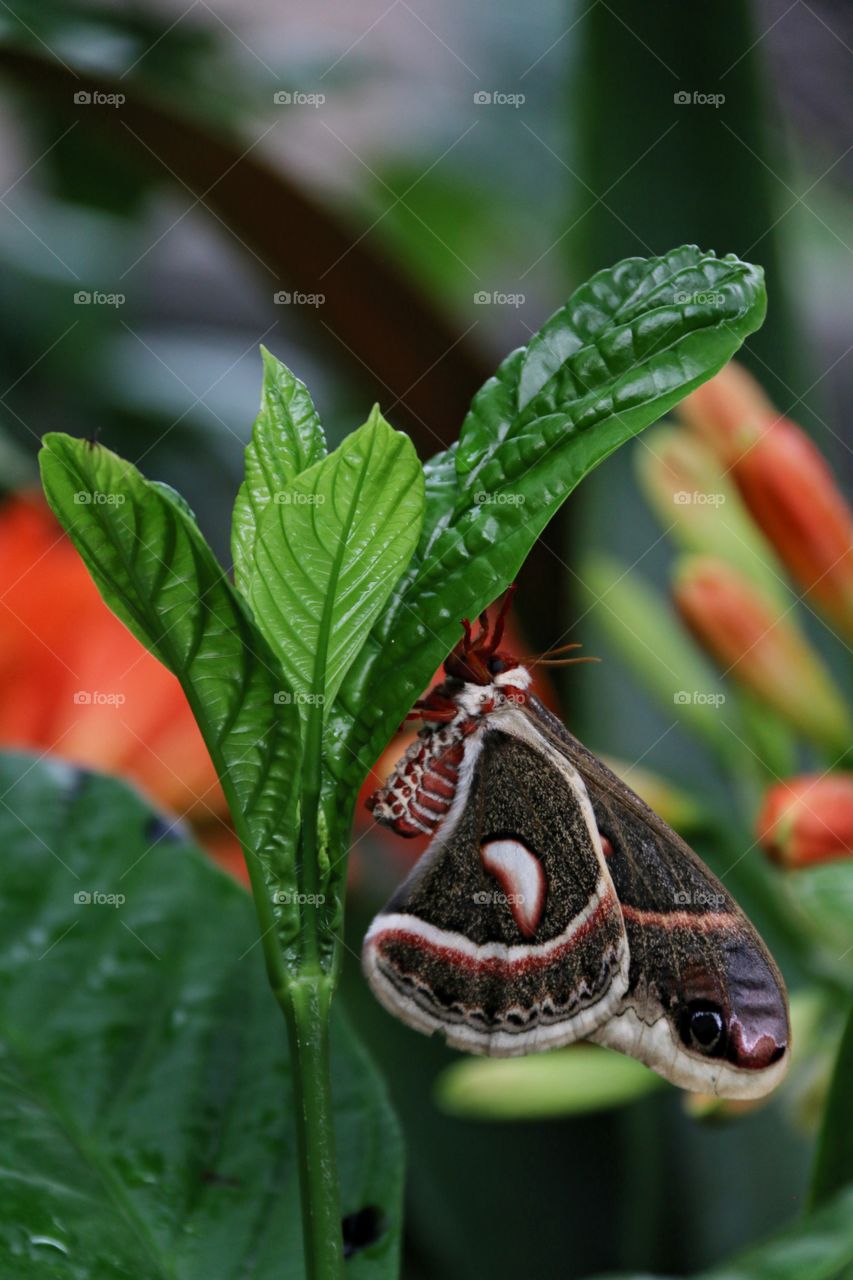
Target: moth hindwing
{"x":553,"y":905}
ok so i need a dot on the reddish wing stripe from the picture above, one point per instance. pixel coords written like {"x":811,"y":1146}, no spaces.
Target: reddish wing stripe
{"x":702,"y":920}
{"x":527,"y":959}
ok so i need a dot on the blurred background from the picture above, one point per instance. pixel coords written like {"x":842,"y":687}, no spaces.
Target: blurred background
{"x":390,"y":197}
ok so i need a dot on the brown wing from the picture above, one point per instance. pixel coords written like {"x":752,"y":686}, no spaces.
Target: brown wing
{"x":705,"y":1004}
{"x":507,"y":936}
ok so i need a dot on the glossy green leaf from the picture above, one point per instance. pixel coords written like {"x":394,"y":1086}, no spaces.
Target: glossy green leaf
{"x":635,"y":334}
{"x":626,"y":347}
{"x":561,"y":1083}
{"x":833,"y":1168}
{"x":156,"y":572}
{"x":818,"y":1247}
{"x":146,"y":1104}
{"x":330,"y":552}
{"x":287,"y":438}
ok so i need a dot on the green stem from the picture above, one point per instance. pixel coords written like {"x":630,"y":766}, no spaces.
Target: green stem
{"x":305,"y":1000}
{"x":306,"y":1003}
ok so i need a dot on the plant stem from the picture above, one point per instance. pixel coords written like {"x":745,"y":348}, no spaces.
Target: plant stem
{"x":306,"y":1002}
{"x":306,"y":998}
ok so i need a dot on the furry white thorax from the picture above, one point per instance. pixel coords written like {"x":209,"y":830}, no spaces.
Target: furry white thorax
{"x":472,"y":698}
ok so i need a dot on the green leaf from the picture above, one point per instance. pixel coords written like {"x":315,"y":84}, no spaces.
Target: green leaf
{"x":146,"y":1090}
{"x":329,"y":553}
{"x":818,"y":1247}
{"x":156,"y":572}
{"x":634,"y":335}
{"x":833,"y":1168}
{"x":564,"y":1082}
{"x":626,"y":347}
{"x":287,"y":438}
{"x":820,"y":899}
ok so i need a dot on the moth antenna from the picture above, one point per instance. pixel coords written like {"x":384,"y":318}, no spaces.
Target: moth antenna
{"x":564,"y":648}
{"x":466,"y":627}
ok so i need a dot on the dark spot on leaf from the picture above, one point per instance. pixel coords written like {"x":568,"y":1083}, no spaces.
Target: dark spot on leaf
{"x":160,"y":829}
{"x":214,"y":1179}
{"x":77,"y":780}
{"x":362,"y":1229}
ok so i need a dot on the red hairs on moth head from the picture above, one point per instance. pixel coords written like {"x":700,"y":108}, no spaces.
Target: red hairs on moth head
{"x":477,"y":659}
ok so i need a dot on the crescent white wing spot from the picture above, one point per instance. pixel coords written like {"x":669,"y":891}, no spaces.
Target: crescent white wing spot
{"x":520,"y":875}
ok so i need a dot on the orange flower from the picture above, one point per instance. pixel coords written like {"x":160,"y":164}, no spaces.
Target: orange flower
{"x":793,"y":498}
{"x":760,"y":648}
{"x":808,"y":819}
{"x":76,"y":683}
{"x":786,"y":485}
{"x":730,"y":411}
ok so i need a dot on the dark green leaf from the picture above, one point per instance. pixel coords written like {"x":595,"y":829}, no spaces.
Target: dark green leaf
{"x":627,"y":346}
{"x":634,"y":335}
{"x":834,"y":1160}
{"x":287,"y":438}
{"x":156,"y":572}
{"x":146,"y":1104}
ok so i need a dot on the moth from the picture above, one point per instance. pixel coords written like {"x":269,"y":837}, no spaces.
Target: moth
{"x":553,"y":905}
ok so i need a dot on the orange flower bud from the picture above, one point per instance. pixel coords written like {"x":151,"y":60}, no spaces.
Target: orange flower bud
{"x":730,"y":411}
{"x":786,"y":485}
{"x":695,"y":500}
{"x":792,"y":496}
{"x":808,"y":819}
{"x":761,"y":648}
